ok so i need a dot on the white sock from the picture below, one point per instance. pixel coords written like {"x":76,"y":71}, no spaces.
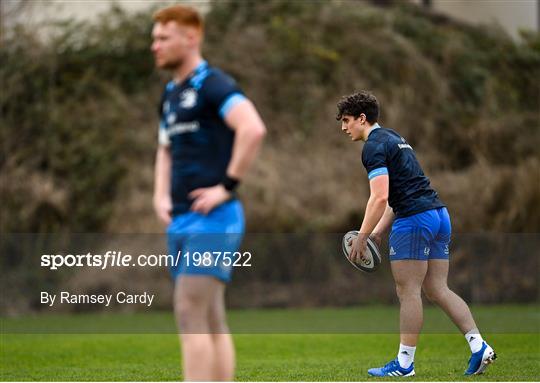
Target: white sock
{"x":405,"y":355}
{"x":474,"y":339}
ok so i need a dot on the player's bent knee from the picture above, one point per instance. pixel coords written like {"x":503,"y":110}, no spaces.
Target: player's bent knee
{"x":436,"y":294}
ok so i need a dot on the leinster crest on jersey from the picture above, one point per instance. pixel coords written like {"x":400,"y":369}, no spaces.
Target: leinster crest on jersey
{"x":188,"y":98}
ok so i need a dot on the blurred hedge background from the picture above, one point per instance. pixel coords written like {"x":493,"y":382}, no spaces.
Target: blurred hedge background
{"x":79,"y":121}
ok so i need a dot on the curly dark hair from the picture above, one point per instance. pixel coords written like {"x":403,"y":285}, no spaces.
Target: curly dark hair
{"x":358,"y":103}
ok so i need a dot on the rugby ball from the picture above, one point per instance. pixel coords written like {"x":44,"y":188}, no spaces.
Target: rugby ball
{"x":373,"y":255}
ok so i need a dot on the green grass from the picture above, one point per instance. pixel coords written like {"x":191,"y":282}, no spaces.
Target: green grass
{"x":271,"y":357}
{"x":375,"y":319}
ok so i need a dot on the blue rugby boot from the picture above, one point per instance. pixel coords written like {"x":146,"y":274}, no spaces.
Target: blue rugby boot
{"x":479,"y":360}
{"x":392,"y":368}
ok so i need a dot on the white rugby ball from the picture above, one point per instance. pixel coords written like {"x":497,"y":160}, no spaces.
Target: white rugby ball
{"x":373,"y":255}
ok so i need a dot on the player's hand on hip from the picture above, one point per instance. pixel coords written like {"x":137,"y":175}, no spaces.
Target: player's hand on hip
{"x":163,"y":208}
{"x":206,"y":199}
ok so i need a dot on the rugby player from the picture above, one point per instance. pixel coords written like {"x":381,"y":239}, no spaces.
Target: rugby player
{"x":209,"y":135}
{"x":401,"y":198}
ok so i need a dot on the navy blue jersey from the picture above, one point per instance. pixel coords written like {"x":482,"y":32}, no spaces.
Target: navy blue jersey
{"x":192,"y":125}
{"x":386,"y":152}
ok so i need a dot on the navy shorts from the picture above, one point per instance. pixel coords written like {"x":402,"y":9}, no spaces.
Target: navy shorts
{"x":421,"y":236}
{"x":205,"y":244}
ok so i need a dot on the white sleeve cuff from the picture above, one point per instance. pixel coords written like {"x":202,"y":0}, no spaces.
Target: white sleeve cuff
{"x":163,"y":137}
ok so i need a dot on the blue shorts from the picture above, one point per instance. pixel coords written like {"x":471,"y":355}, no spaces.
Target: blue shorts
{"x":421,"y":236}
{"x":204,"y":244}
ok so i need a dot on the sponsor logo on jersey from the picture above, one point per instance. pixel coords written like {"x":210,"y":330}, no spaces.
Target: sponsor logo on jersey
{"x":404,"y":145}
{"x":184,"y":127}
{"x":188,"y":98}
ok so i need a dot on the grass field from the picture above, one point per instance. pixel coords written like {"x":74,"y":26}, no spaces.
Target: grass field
{"x":271,"y":357}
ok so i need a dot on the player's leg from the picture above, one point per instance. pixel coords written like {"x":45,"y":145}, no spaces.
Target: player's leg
{"x":228,"y":220}
{"x":207,"y":344}
{"x":409,"y":276}
{"x":218,"y":233}
{"x":190,"y":303}
{"x":409,"y":250}
{"x":408,"y":260}
{"x":410,"y":240}
{"x":436,"y":289}
{"x":199,"y":291}
{"x":435,"y":284}
{"x":192,"y":300}
{"x":224,"y":355}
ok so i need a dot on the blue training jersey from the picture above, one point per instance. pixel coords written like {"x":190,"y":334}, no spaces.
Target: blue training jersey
{"x":192,"y":124}
{"x":386,"y":152}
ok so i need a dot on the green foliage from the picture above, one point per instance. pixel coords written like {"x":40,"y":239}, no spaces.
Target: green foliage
{"x":67,"y":120}
{"x":70,"y":104}
{"x":315,"y":51}
{"x":78,"y":124}
{"x":457,"y":92}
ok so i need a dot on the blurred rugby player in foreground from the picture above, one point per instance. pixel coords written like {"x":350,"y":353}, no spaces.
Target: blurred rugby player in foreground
{"x":209,"y":135}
